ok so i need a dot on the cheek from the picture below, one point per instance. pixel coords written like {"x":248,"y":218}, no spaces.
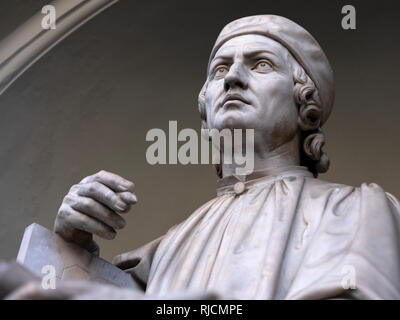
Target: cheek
{"x":277,"y":105}
{"x":208,"y":104}
{"x":213,"y":92}
{"x":276,"y":97}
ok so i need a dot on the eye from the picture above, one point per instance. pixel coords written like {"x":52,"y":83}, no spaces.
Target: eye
{"x":263,"y":66}
{"x":220,"y":71}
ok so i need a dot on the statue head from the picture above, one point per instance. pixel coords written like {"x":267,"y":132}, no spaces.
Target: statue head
{"x":269,"y":74}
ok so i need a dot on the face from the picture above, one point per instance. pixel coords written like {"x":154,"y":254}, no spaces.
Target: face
{"x":250,"y":86}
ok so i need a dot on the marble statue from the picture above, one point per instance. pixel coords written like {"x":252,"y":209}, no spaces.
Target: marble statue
{"x":276,"y":233}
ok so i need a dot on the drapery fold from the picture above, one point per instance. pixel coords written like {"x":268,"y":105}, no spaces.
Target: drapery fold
{"x":287,"y":236}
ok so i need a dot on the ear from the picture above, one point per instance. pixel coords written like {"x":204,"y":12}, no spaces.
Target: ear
{"x":202,"y":106}
{"x":202,"y":101}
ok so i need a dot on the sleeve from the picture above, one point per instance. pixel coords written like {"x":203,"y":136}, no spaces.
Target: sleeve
{"x":138,"y":262}
{"x":355,"y":252}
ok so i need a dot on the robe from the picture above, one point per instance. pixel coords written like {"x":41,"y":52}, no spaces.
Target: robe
{"x":281,"y":234}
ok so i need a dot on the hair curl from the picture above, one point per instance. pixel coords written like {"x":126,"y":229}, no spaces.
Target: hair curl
{"x":310,"y":113}
{"x":312,"y":138}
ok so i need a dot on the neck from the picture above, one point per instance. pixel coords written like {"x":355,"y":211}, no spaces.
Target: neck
{"x":285,"y":155}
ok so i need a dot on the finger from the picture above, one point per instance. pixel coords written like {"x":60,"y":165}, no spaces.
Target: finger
{"x":24,"y":292}
{"x":111,"y":180}
{"x":12,"y":276}
{"x":77,"y":220}
{"x":103,"y":194}
{"x":96,"y":210}
{"x":33,"y":291}
{"x":128,"y":197}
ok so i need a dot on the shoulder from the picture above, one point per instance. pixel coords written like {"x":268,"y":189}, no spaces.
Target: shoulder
{"x":366,"y":192}
{"x":366,"y":209}
{"x":357,"y":227}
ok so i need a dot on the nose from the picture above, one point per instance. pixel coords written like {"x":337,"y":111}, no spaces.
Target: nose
{"x":236,"y":77}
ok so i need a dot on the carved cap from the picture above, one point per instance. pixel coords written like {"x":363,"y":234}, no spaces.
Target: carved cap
{"x":300,"y":43}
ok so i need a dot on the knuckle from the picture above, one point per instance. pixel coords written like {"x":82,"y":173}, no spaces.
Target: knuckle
{"x":69,"y":199}
{"x":101,"y":173}
{"x":110,"y":195}
{"x":93,"y":186}
{"x":65,"y":221}
{"x":63,"y":212}
{"x":74,"y":188}
{"x":86,"y":203}
{"x":86,"y":179}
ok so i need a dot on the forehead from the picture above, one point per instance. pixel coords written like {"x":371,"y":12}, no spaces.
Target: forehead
{"x":252,"y":42}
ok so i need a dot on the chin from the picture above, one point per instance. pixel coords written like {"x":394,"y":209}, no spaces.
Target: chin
{"x":230,"y":123}
{"x":232,"y":119}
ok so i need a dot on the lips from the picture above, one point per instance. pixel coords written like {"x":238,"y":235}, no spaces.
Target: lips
{"x":233,"y":97}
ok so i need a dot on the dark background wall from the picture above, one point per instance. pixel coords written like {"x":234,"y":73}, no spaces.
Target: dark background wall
{"x":88,"y":104}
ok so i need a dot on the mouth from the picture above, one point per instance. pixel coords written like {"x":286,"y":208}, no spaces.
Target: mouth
{"x":233,"y":98}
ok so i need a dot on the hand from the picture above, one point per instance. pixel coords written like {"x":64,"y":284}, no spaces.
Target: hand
{"x":93,"y":206}
{"x":86,"y":290}
{"x":18,"y":283}
{"x":13,"y":276}
{"x":73,"y":290}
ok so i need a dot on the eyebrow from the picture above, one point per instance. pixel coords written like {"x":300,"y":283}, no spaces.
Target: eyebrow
{"x":253,"y":53}
{"x":248,"y":55}
{"x":224,"y":57}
